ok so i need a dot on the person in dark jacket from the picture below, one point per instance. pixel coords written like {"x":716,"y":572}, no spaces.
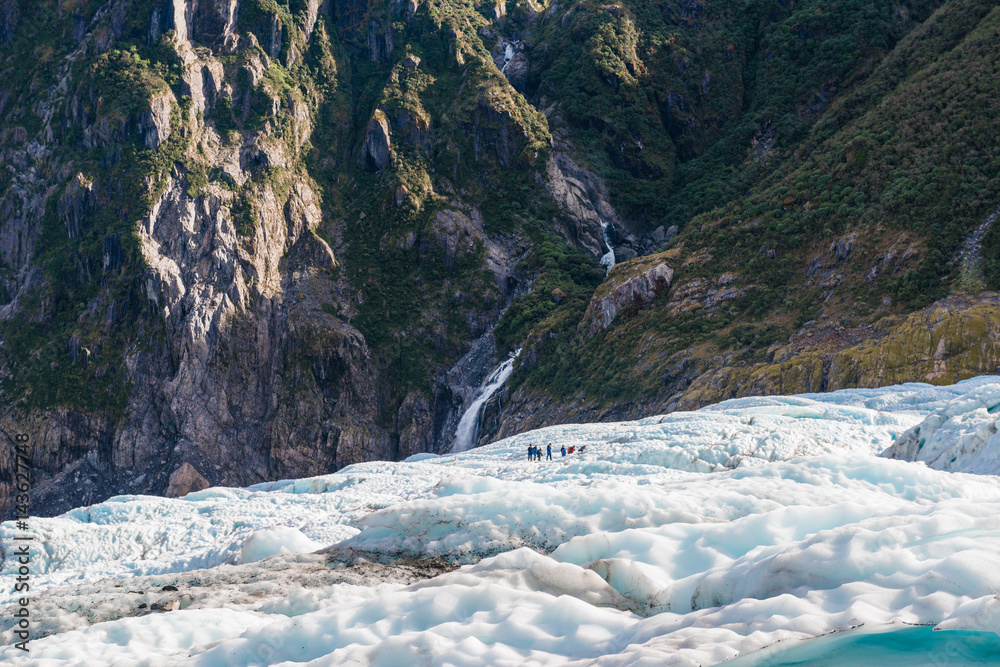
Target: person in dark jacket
{"x":564,"y":450}
{"x":548,"y":452}
{"x":531,"y":452}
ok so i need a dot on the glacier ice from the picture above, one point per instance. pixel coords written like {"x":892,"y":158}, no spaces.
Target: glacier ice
{"x":734,"y":532}
{"x":275,"y":540}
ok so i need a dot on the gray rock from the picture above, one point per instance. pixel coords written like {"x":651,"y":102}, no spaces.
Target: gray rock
{"x":410,"y":63}
{"x":274,"y":42}
{"x":640,"y":289}
{"x":214,"y":23}
{"x":494,"y":130}
{"x":842,"y":247}
{"x":166,"y":605}
{"x":379,"y":41}
{"x":375,"y":151}
{"x":78,"y":201}
{"x":624,"y":253}
{"x":155,"y":121}
{"x":413,"y":127}
{"x":585,"y":199}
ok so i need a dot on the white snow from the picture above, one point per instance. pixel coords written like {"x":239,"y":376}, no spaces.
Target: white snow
{"x":273,"y":541}
{"x":685,"y":539}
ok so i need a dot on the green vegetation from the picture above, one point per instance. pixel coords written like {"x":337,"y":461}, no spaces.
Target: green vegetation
{"x":898,"y":168}
{"x":558,"y":298}
{"x":666,"y":99}
{"x":828,"y":158}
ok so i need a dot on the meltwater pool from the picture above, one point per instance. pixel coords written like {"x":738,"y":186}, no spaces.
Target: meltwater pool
{"x":898,"y":647}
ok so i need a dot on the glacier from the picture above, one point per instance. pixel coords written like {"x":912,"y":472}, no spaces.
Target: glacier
{"x":762,"y":530}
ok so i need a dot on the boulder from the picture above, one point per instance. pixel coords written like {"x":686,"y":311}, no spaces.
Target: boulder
{"x":166,"y":605}
{"x":186,"y":479}
{"x":410,"y":63}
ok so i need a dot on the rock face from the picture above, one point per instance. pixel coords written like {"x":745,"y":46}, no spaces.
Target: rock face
{"x":215,"y":22}
{"x":155,"y":123}
{"x":193,"y":224}
{"x":375,"y":151}
{"x":78,"y":201}
{"x":636,"y":290}
{"x":494,"y":129}
{"x":185,"y":480}
{"x":414,"y":127}
{"x":379,"y":41}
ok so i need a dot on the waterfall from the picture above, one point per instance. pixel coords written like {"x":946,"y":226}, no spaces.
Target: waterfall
{"x":468,"y":426}
{"x":508,"y":54}
{"x":609,"y":257}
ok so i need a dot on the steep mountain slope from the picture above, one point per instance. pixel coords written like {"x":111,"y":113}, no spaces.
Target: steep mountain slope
{"x":799,"y":285}
{"x":271,"y":238}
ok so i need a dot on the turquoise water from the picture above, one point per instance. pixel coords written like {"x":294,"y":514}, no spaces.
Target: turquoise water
{"x":907,"y":647}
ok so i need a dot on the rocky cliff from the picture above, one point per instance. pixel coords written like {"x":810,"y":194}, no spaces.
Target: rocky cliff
{"x":251,"y":239}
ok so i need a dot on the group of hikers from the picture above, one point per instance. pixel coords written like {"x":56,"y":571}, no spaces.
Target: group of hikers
{"x":535,"y":453}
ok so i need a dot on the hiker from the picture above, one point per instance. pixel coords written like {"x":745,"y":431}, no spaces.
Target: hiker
{"x":582,"y":447}
{"x":564,"y":450}
{"x":548,"y":452}
{"x":572,"y":449}
{"x":531,"y":452}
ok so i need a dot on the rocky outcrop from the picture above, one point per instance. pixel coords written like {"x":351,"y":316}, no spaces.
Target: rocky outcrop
{"x":416,"y":419}
{"x":78,"y":200}
{"x":109,"y":132}
{"x":376,"y":151}
{"x":494,"y":129}
{"x":379,"y":39}
{"x":155,"y":121}
{"x":185,"y":480}
{"x":414,"y":127}
{"x":626,"y":291}
{"x":581,"y":194}
{"x":214,"y":24}
{"x":511,"y":59}
{"x":454,"y":236}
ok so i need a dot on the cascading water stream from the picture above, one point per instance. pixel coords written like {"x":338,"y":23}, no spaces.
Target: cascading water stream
{"x":468,"y":425}
{"x":608,"y":259}
{"x":508,"y":54}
